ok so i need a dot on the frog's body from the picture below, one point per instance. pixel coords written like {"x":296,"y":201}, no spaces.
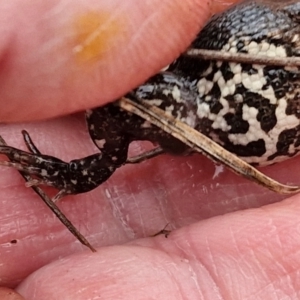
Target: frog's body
{"x":251,"y":110}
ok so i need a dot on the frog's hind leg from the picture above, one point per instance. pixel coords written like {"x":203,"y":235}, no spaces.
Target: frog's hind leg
{"x":74,"y":177}
{"x":113,"y":129}
{"x":107,"y":128}
{"x":29,"y":143}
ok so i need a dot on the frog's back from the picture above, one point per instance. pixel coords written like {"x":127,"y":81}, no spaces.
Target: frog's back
{"x":251,"y":110}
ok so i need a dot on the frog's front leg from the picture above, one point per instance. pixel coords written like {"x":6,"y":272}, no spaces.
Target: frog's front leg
{"x":74,"y":177}
{"x":113,"y":129}
{"x":109,"y":129}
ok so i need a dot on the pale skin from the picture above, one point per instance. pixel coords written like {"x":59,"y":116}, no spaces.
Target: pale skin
{"x":231,"y":239}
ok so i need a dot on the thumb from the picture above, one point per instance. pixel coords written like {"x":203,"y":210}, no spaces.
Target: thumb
{"x":58,"y":57}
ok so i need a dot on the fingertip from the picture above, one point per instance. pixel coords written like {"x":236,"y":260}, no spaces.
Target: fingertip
{"x":65,"y":57}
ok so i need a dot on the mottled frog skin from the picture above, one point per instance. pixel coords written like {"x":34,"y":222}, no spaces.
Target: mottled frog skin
{"x":251,"y":110}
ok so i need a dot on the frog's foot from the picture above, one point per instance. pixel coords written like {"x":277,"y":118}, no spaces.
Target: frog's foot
{"x":74,"y":177}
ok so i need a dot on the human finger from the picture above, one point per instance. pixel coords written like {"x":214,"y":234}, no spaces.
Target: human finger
{"x":137,"y":201}
{"x":254,"y":252}
{"x":58,"y":57}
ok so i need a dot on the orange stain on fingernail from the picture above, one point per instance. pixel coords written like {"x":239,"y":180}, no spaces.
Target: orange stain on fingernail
{"x":95,"y":34}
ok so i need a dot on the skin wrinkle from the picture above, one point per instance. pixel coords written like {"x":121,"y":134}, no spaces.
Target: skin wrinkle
{"x":277,"y":264}
{"x":195,"y":281}
{"x":275,"y":232}
{"x":138,"y":36}
{"x":212,"y":269}
{"x":188,"y":252}
{"x":140,"y":215}
{"x":273,"y":287}
{"x":271,"y":293}
{"x":163,"y":201}
{"x":285,"y":276}
{"x":223,"y":284}
{"x":293,"y":283}
{"x":211,"y":257}
{"x":121,"y":217}
{"x":161,"y":204}
{"x":136,"y":207}
{"x":235,"y":242}
{"x":178,"y":283}
{"x":260,"y":266}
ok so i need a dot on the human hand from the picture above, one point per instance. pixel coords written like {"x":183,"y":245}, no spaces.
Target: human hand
{"x":59,"y":57}
{"x":255,"y":249}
